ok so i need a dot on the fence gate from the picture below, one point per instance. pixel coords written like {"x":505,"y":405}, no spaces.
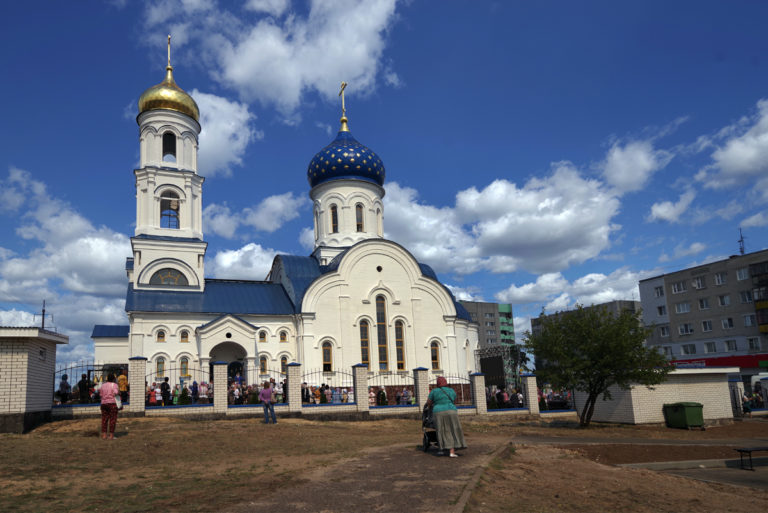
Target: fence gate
{"x":391,"y":389}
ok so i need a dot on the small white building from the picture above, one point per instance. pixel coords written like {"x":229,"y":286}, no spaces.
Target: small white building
{"x":27,"y":364}
{"x":358,"y":298}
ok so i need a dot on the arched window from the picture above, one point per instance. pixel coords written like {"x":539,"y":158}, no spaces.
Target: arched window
{"x":284,"y":364}
{"x":364,"y":343}
{"x":327,"y":357}
{"x":263,"y":364}
{"x":359,"y":217}
{"x":161,"y":336}
{"x":435,"y":350}
{"x":381,"y":329}
{"x":169,"y":147}
{"x":160,"y":367}
{"x":399,"y":345}
{"x":334,"y":219}
{"x":283,"y":336}
{"x":184,"y":336}
{"x":169,"y":210}
{"x":262,"y":336}
{"x":169,"y":276}
{"x":185,"y":367}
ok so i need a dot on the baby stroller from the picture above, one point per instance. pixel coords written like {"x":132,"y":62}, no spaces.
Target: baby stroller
{"x":428,"y":427}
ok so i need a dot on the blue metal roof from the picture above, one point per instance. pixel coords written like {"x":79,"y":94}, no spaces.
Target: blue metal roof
{"x":227,"y":315}
{"x":295,"y":274}
{"x":129,"y":264}
{"x":110,"y":331}
{"x":167,"y":237}
{"x":220,"y":297}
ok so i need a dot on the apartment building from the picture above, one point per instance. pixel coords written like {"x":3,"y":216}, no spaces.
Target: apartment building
{"x":496,"y":324}
{"x":711,"y":315}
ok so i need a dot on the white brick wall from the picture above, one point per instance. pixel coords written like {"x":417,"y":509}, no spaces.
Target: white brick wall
{"x":641,"y":405}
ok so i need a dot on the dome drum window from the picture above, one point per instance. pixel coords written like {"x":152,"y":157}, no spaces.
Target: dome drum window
{"x":334,"y":219}
{"x":359,"y":224}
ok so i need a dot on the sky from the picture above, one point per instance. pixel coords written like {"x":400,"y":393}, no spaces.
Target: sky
{"x":541,"y":154}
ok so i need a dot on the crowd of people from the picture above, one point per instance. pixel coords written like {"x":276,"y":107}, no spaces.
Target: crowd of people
{"x":752,"y":401}
{"x":326,"y":394}
{"x":88,"y":391}
{"x":504,"y":397}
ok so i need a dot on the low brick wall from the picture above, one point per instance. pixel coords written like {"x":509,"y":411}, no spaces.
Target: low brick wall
{"x":641,"y":405}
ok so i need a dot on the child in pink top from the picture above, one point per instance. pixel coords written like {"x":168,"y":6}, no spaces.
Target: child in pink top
{"x":108,"y":391}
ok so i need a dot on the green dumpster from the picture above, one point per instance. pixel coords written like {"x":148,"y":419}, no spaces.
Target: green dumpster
{"x":685,"y":415}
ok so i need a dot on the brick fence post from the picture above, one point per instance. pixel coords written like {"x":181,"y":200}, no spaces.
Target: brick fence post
{"x":220,"y":387}
{"x":294,"y":386}
{"x":360,"y":379}
{"x":421,"y":386}
{"x":478,"y":392}
{"x":137,"y":373}
{"x":531,"y":394}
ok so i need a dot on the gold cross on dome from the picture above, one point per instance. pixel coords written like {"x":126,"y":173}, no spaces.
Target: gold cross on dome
{"x":169,"y":50}
{"x":341,"y":93}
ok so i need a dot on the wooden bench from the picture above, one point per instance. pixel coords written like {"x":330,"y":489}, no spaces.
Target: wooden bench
{"x":748,"y":451}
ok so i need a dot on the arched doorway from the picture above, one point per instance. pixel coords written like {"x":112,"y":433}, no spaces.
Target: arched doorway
{"x":232,"y":353}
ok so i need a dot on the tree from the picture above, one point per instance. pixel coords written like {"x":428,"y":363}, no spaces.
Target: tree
{"x":591,"y":349}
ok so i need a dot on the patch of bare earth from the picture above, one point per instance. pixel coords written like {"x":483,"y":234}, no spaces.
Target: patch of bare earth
{"x":545,"y":479}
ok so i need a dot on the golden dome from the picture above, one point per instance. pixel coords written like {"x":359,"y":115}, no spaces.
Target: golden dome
{"x":168,"y":95}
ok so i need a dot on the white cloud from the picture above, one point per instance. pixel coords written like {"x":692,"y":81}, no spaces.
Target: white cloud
{"x":251,"y":262}
{"x":669,"y":211}
{"x":559,"y":294}
{"x":302,"y":53}
{"x":17,"y":318}
{"x":682,"y":250}
{"x":758,"y":220}
{"x":272,"y":212}
{"x":743,"y":153}
{"x":465,"y":293}
{"x":271,"y":7}
{"x":307,"y":238}
{"x":628,"y":167}
{"x":546,"y":225}
{"x":268,"y":216}
{"x":226,"y":132}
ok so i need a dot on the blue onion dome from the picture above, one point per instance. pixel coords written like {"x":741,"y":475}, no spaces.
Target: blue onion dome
{"x":345,"y":159}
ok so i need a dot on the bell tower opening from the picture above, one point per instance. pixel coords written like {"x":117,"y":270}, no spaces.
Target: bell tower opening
{"x":169,"y":147}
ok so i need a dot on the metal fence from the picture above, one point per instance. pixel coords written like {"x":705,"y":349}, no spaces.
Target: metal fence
{"x":79,"y":382}
{"x":461,"y":385}
{"x":391,"y":389}
{"x":554,"y":398}
{"x":322,"y":387}
{"x":185,"y":386}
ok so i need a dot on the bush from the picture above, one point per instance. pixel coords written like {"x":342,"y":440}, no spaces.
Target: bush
{"x":184,"y":397}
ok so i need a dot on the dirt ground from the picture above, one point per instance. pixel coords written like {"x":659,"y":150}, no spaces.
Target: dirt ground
{"x":301,"y":465}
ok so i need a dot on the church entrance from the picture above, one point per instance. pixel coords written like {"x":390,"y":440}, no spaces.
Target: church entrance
{"x":234,"y":354}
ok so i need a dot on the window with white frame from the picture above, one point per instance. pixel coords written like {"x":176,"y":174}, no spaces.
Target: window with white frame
{"x":683,"y":307}
{"x":724,"y":300}
{"x":699,"y":283}
{"x":490,"y":333}
{"x":706,"y":326}
{"x":490,"y":323}
{"x":688,"y":348}
{"x":710,"y":347}
{"x":745,"y":296}
{"x":685,"y":329}
{"x":742,"y":274}
{"x":754,"y":344}
{"x":664,"y":331}
{"x":662,"y":309}
{"x":658,"y":291}
{"x":727,"y":323}
{"x":678,"y":287}
{"x":750,"y":320}
{"x":704,"y":303}
{"x":488,"y":315}
{"x":721,"y":278}
{"x":730,"y":345}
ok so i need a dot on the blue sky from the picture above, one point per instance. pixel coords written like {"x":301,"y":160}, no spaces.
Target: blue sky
{"x":537,"y":153}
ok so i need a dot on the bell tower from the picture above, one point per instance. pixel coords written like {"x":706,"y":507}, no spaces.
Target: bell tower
{"x":168,"y":246}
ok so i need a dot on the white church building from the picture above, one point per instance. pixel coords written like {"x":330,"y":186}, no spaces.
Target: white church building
{"x":357,"y":298}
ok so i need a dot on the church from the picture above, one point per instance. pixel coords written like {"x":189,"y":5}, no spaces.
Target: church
{"x":356,"y":299}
